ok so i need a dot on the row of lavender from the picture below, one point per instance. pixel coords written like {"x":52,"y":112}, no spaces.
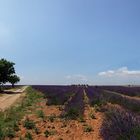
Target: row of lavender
{"x":74,"y":108}
{"x":119,"y":122}
{"x":56,"y":95}
{"x":99,"y":96}
{"x":130,"y":91}
{"x":72,"y":97}
{"x":95,"y":95}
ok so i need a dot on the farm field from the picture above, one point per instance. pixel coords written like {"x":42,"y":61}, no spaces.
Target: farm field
{"x":70,"y":70}
{"x":77,"y":112}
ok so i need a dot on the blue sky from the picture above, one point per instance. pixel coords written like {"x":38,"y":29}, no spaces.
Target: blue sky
{"x":72,"y":41}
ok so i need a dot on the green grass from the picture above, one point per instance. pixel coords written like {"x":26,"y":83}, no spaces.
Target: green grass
{"x":40,"y":114}
{"x":72,"y":114}
{"x":92,"y":115}
{"x":29,"y":124}
{"x":87,"y":128}
{"x":49,"y":133}
{"x":28,"y":136}
{"x":9,"y":119}
{"x":51,"y":118}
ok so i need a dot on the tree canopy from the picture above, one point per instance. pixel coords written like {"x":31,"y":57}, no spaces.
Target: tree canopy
{"x":13,"y":79}
{"x":7,"y":72}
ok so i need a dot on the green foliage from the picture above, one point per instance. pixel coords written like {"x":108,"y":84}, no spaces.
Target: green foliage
{"x":37,"y":131}
{"x":2,"y":134}
{"x":28,"y":136}
{"x":49,"y":133}
{"x":29,"y":124}
{"x":53,"y":101}
{"x":6,"y":70}
{"x":88,"y":128}
{"x":97,"y":108}
{"x":72,"y":113}
{"x":7,"y":73}
{"x":51,"y":118}
{"x":31,"y":98}
{"x":40,"y":114}
{"x":92,"y":116}
{"x":134,"y":134}
{"x":98,"y":102}
{"x":10,"y":133}
{"x":81,"y":119}
{"x":16,"y":126}
{"x":20,"y":138}
{"x":13,"y":79}
{"x":9,"y":119}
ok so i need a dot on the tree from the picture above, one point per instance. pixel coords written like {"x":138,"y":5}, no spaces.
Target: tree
{"x":13,"y":79}
{"x":6,"y":70}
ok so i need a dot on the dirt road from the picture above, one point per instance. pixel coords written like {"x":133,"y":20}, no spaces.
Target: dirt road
{"x":6,"y":100}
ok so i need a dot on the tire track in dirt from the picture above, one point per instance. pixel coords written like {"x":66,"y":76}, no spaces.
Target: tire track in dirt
{"x":126,"y":96}
{"x":7,"y":100}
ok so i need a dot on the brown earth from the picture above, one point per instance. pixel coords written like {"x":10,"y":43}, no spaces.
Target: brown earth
{"x":126,"y":96}
{"x":6,"y":100}
{"x":63,"y":129}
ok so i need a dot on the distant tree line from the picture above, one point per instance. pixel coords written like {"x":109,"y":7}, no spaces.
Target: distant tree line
{"x":7,"y":73}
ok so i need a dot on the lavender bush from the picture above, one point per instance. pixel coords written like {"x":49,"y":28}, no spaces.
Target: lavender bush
{"x":120,"y":124}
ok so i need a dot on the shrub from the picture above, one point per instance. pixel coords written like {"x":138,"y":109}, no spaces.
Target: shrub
{"x":92,"y":116}
{"x":15,"y":126}
{"x":120,"y":124}
{"x":97,"y":108}
{"x":127,"y":102}
{"x":49,"y":133}
{"x":29,"y":124}
{"x":72,"y":114}
{"x":88,"y":128}
{"x":52,"y":101}
{"x":2,"y":134}
{"x":10,"y":118}
{"x":37,"y":131}
{"x":28,"y":136}
{"x":51,"y":118}
{"x":96,"y":101}
{"x":81,"y":119}
{"x":10,"y":133}
{"x":40,"y":114}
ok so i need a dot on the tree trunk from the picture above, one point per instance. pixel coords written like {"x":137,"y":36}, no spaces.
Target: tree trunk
{"x":1,"y":87}
{"x":13,"y":85}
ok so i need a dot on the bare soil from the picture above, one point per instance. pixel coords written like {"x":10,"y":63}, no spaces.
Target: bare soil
{"x":63,"y":129}
{"x":6,"y":100}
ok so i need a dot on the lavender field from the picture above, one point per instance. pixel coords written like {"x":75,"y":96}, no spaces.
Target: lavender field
{"x":120,"y":106}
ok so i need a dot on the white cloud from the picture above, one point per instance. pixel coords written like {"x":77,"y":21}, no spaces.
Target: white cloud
{"x":78,"y":77}
{"x":120,"y":72}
